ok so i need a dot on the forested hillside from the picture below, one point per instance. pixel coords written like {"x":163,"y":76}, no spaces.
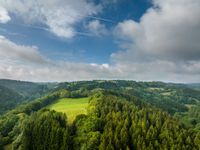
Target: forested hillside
{"x":176,"y":99}
{"x":29,"y":90}
{"x":8,"y":99}
{"x":170,"y":97}
{"x":120,"y":115}
{"x":13,"y":93}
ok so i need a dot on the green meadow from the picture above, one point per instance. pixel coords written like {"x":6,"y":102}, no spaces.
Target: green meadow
{"x":70,"y":106}
{"x":8,"y":147}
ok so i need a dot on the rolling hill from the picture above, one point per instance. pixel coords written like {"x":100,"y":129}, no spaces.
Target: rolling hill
{"x":106,"y":115}
{"x":8,"y":99}
{"x":13,"y":93}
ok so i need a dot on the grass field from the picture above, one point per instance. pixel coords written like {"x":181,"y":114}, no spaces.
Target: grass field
{"x":8,"y":147}
{"x":70,"y":106}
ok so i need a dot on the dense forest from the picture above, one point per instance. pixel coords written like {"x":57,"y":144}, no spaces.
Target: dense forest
{"x":13,"y":93}
{"x":120,"y":115}
{"x":8,"y":99}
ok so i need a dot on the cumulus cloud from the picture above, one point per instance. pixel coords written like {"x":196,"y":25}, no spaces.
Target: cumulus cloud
{"x":61,"y":71}
{"x":4,"y":17}
{"x":10,"y":51}
{"x":96,"y":28}
{"x":170,"y":29}
{"x":164,"y":44}
{"x":160,"y":70}
{"x":27,"y":63}
{"x":59,"y":16}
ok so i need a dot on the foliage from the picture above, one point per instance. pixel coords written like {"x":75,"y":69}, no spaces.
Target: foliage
{"x":13,"y":93}
{"x":8,"y":99}
{"x":11,"y":123}
{"x":44,"y":130}
{"x":112,"y":123}
{"x":120,"y":115}
{"x":191,"y":118}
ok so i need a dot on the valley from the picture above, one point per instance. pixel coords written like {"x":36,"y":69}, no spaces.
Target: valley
{"x":102,"y":115}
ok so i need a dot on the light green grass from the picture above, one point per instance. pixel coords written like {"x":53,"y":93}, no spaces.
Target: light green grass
{"x":190,"y":105}
{"x":70,"y":106}
{"x":8,"y":147}
{"x":166,"y":93}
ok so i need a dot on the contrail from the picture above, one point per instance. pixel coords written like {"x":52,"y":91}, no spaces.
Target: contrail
{"x":47,"y":29}
{"x":11,"y":33}
{"x":102,"y":19}
{"x":31,"y":26}
{"x":76,"y":32}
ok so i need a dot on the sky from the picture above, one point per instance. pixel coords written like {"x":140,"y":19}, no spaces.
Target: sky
{"x":70,"y":40}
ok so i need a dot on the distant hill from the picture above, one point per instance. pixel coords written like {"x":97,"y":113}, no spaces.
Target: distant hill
{"x":194,"y":85}
{"x":29,"y":90}
{"x":167,"y":96}
{"x":8,"y":99}
{"x":13,"y":93}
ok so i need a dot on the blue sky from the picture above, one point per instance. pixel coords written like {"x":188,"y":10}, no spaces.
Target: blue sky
{"x":82,"y":48}
{"x":100,"y":39}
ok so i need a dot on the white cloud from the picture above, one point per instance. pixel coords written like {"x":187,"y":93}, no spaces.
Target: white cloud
{"x":96,"y":28}
{"x":127,"y":30}
{"x":11,"y":52}
{"x":4,"y":17}
{"x":27,"y":63}
{"x":65,"y":71}
{"x":163,"y":45}
{"x":60,"y":16}
{"x":170,"y":29}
